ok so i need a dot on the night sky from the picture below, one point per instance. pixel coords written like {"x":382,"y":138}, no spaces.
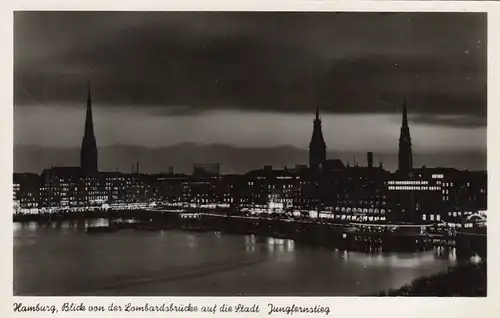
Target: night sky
{"x":248,"y":82}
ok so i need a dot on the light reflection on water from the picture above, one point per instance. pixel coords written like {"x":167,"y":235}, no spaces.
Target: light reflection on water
{"x":191,"y":241}
{"x":281,"y":245}
{"x":475,"y":259}
{"x":398,"y":260}
{"x":250,"y":243}
{"x":97,"y":222}
{"x":48,"y":264}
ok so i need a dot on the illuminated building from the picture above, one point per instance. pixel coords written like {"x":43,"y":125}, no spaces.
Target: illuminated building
{"x":356,"y":194}
{"x":350,"y":195}
{"x":26,"y":192}
{"x":62,"y":187}
{"x":16,"y":195}
{"x":434,"y":194}
{"x":115,"y":188}
{"x":342,"y":195}
{"x":137,"y":188}
{"x":207,"y":192}
{"x":69,"y":188}
{"x":168,"y":188}
{"x":270,"y":190}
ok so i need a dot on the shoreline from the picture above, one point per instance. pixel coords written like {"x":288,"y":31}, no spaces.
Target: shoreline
{"x":467,"y":279}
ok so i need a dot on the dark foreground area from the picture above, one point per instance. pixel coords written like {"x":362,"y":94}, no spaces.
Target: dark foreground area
{"x":465,"y":280}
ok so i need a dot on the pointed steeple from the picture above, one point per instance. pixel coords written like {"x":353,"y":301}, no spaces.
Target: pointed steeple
{"x":89,"y":122}
{"x":317,"y":146}
{"x":405,"y":116}
{"x":88,"y":92}
{"x":88,"y":152}
{"x":405,"y":149}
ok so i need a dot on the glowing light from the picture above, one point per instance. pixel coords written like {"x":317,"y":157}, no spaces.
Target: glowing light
{"x":475,"y":259}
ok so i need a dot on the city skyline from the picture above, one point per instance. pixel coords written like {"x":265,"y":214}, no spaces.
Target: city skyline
{"x":272,"y":107}
{"x":317,"y":154}
{"x":324,"y":156}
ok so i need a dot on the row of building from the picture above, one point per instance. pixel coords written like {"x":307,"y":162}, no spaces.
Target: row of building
{"x":361,"y":194}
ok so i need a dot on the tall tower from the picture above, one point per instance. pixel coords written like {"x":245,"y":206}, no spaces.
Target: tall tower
{"x":317,"y":146}
{"x":405,"y":153}
{"x":88,"y":153}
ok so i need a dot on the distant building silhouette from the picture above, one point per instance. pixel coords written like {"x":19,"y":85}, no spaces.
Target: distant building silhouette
{"x":369,"y":159}
{"x":88,"y":153}
{"x":317,"y":146}
{"x":405,"y":153}
{"x":206,"y":169}
{"x":333,"y":165}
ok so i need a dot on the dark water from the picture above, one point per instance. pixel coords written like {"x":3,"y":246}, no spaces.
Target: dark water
{"x":64,"y":260}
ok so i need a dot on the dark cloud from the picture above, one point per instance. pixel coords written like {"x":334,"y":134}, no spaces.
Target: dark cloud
{"x":465,"y":121}
{"x":197,"y":61}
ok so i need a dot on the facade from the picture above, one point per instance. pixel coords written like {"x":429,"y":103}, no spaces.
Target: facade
{"x":342,"y":195}
{"x":62,"y":187}
{"x":438,"y":195}
{"x":351,"y":195}
{"x":26,"y":192}
{"x":71,"y":189}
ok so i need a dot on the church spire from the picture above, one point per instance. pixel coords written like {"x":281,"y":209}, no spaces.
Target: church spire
{"x":405,"y":118}
{"x":89,"y":122}
{"x":405,"y":151}
{"x":88,"y":152}
{"x":317,"y":146}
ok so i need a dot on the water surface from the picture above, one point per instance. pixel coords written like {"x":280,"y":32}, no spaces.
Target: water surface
{"x":62,"y":260}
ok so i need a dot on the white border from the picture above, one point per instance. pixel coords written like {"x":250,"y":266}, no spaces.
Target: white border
{"x":340,"y":306}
